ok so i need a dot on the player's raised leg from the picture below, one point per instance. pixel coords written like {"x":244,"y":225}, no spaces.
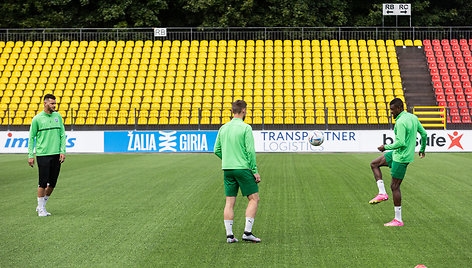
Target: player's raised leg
{"x":228,"y":218}
{"x":375,"y":166}
{"x":251,"y":211}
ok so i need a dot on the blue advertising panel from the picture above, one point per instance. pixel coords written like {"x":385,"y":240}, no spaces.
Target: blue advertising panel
{"x":159,"y":141}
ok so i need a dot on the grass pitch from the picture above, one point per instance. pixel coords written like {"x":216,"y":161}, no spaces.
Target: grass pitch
{"x":165,"y":210}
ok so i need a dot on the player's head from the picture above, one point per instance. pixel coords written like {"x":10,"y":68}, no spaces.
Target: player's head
{"x":239,"y":108}
{"x":49,"y":103}
{"x":396,"y":107}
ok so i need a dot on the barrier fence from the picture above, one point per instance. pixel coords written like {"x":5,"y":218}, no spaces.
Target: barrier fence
{"x":237,"y":33}
{"x":70,"y":118}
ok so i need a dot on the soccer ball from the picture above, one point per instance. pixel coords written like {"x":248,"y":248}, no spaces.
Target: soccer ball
{"x":316,"y":138}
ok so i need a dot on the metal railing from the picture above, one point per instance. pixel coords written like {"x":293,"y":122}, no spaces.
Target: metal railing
{"x":322,"y":122}
{"x":237,"y":33}
{"x":431,"y":116}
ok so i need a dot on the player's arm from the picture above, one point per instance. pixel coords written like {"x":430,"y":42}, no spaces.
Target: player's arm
{"x":62,"y":135}
{"x":399,"y":138}
{"x":32,"y":136}
{"x":217,"y":148}
{"x":424,"y":136}
{"x":250,"y":150}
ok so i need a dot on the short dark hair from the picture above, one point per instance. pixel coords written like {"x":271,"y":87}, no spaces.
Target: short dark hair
{"x":48,"y":96}
{"x":238,"y":106}
{"x":397,"y":102}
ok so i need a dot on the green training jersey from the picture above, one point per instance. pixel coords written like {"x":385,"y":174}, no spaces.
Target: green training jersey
{"x":49,"y":132}
{"x":406,"y":127}
{"x":235,"y":146}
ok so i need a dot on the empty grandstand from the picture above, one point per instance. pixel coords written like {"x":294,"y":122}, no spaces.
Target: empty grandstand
{"x":289,"y":81}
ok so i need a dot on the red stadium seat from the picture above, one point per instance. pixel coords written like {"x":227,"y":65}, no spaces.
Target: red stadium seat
{"x":470,"y":42}
{"x":439,"y":91}
{"x":444,"y":72}
{"x":435,"y":72}
{"x":440,"y":60}
{"x":456,"y":119}
{"x":440,"y":98}
{"x":464,"y":112}
{"x":436,"y":78}
{"x":466,"y":53}
{"x":463,"y":72}
{"x":442,"y":65}
{"x":466,"y":119}
{"x":445,"y":78}
{"x":427,"y":42}
{"x":448,"y":91}
{"x":455,"y":78}
{"x":439,"y":53}
{"x":436,"y":42}
{"x":450,"y":98}
{"x":437,"y":48}
{"x":444,"y":104}
{"x":448,"y":53}
{"x":459,"y":59}
{"x":465,"y":48}
{"x":458,"y":90}
{"x":453,"y":112}
{"x":452,"y":104}
{"x":431,"y":60}
{"x":445,"y":42}
{"x":452,"y":69}
{"x":462,"y":104}
{"x":463,"y":42}
{"x":465,"y":78}
{"x":428,"y":48}
{"x":468,"y":59}
{"x":437,"y":85}
{"x":457,"y":84}
{"x":468,"y":91}
{"x":460,"y":65}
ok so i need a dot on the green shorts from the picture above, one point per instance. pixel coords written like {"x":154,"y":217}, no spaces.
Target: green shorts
{"x":236,"y":178}
{"x":398,"y":169}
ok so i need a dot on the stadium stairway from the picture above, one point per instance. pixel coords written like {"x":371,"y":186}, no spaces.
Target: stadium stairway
{"x":415,"y":75}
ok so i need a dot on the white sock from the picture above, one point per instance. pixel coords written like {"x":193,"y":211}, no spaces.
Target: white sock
{"x":46,"y":197}
{"x":229,"y":227}
{"x":398,"y":213}
{"x":41,"y":202}
{"x":249,"y":223}
{"x":380,"y":184}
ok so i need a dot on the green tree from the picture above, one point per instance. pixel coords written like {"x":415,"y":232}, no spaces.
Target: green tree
{"x":80,"y":13}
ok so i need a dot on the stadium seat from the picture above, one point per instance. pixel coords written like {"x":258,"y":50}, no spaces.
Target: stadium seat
{"x":208,"y":74}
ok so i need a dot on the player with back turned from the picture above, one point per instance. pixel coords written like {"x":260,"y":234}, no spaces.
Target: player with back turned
{"x":47,"y":136}
{"x":235,"y":146}
{"x":407,"y":126}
